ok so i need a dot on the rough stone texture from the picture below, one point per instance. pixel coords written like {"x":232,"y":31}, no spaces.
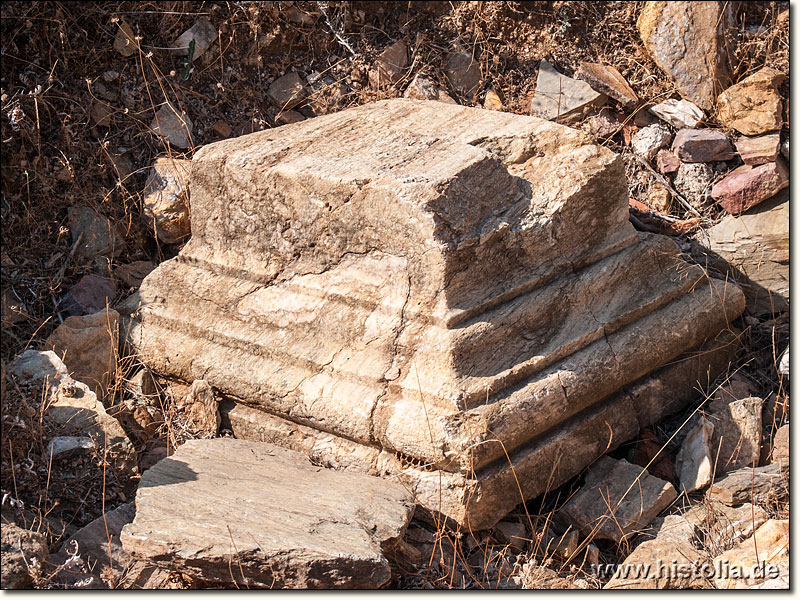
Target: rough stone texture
{"x":425,"y":88}
{"x":681,"y":114}
{"x":390,"y":65}
{"x":88,"y":346}
{"x":667,"y":162}
{"x":277,"y":518}
{"x":463,"y":73}
{"x":203,"y":33}
{"x":97,"y":235}
{"x":702,"y":146}
{"x":744,"y":565}
{"x":173,"y":125}
{"x":166,"y":199}
{"x":759,"y":150}
{"x":558,"y":97}
{"x":748,"y":186}
{"x":91,"y":294}
{"x":753,"y":248}
{"x":63,"y":445}
{"x":759,"y":485}
{"x":687,"y":40}
{"x":780,"y":447}
{"x":101,"y":562}
{"x":21,"y":558}
{"x":649,"y":140}
{"x":736,"y":437}
{"x":617,"y":499}
{"x":602,"y":125}
{"x":695,"y":462}
{"x":693,"y":181}
{"x":288,"y":91}
{"x":672,"y":544}
{"x":721,"y":526}
{"x":37,"y":367}
{"x":124,"y":41}
{"x":338,"y":280}
{"x":607,"y":80}
{"x":133,"y":273}
{"x":753,"y":106}
{"x":200,"y":406}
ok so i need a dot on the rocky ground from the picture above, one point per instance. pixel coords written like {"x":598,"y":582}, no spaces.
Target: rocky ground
{"x":101,"y":104}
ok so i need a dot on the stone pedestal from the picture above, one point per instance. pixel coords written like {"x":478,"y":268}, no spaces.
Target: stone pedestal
{"x":444,"y":295}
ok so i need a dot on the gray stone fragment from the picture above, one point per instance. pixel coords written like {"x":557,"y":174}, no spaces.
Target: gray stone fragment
{"x":680,"y":114}
{"x":173,"y":125}
{"x":695,"y":463}
{"x":64,"y":445}
{"x":288,"y":91}
{"x":254,"y":514}
{"x":649,"y":140}
{"x":463,"y":72}
{"x":21,"y":558}
{"x":693,"y":181}
{"x":560,"y":97}
{"x":203,"y":33}
{"x":98,"y":236}
{"x":166,"y":199}
{"x":702,"y":146}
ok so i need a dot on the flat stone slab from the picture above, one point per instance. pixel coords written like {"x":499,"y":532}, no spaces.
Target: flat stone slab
{"x":423,"y":280}
{"x":258,"y":515}
{"x":617,"y":499}
{"x":560,"y":97}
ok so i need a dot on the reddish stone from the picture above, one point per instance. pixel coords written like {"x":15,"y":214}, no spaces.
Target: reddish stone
{"x":667,"y":162}
{"x":702,"y":145}
{"x":759,"y":150}
{"x":747,"y":186}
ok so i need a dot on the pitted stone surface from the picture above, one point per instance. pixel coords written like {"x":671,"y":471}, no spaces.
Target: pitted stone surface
{"x":394,"y":276}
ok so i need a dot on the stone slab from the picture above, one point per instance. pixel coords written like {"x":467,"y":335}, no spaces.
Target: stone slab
{"x":258,"y":515}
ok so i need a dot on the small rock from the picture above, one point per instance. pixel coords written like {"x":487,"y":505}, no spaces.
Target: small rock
{"x":88,"y":346}
{"x":753,"y":106}
{"x":695,"y":463}
{"x":747,"y":186}
{"x":98,"y":236}
{"x":693,"y":181}
{"x":564,"y":546}
{"x":649,"y":140}
{"x":671,"y":546}
{"x":11,"y":310}
{"x":35,"y":368}
{"x":758,"y":485}
{"x":287,"y":117}
{"x":176,"y":127}
{"x":64,"y":445}
{"x":512,"y":533}
{"x":681,"y":114}
{"x":463,"y":72}
{"x":602,"y":125}
{"x":166,"y":199}
{"x":689,"y":41}
{"x":23,"y":554}
{"x":222,"y":129}
{"x":425,"y":88}
{"x":660,"y":198}
{"x":202,"y":409}
{"x":783,"y":365}
{"x":390,"y":66}
{"x":754,"y":248}
{"x":287,"y":92}
{"x":122,"y":165}
{"x":765,"y":556}
{"x":492,"y":101}
{"x":635,"y":498}
{"x":736,"y":434}
{"x":133,"y":273}
{"x":667,"y":162}
{"x":607,"y":80}
{"x":560,"y":97}
{"x":780,"y":447}
{"x":125,"y":40}
{"x":278,"y":519}
{"x":785,"y":148}
{"x":759,"y":150}
{"x":91,"y":294}
{"x":721,"y":525}
{"x":203,"y":33}
{"x":101,"y":113}
{"x":702,"y":146}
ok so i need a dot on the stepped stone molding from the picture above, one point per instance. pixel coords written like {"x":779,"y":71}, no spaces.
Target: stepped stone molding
{"x":416,"y":281}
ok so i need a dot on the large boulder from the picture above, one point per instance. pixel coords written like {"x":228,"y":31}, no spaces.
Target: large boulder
{"x":351,"y":277}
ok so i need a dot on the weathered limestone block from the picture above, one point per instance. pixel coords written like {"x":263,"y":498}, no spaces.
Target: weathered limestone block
{"x":424,"y":281}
